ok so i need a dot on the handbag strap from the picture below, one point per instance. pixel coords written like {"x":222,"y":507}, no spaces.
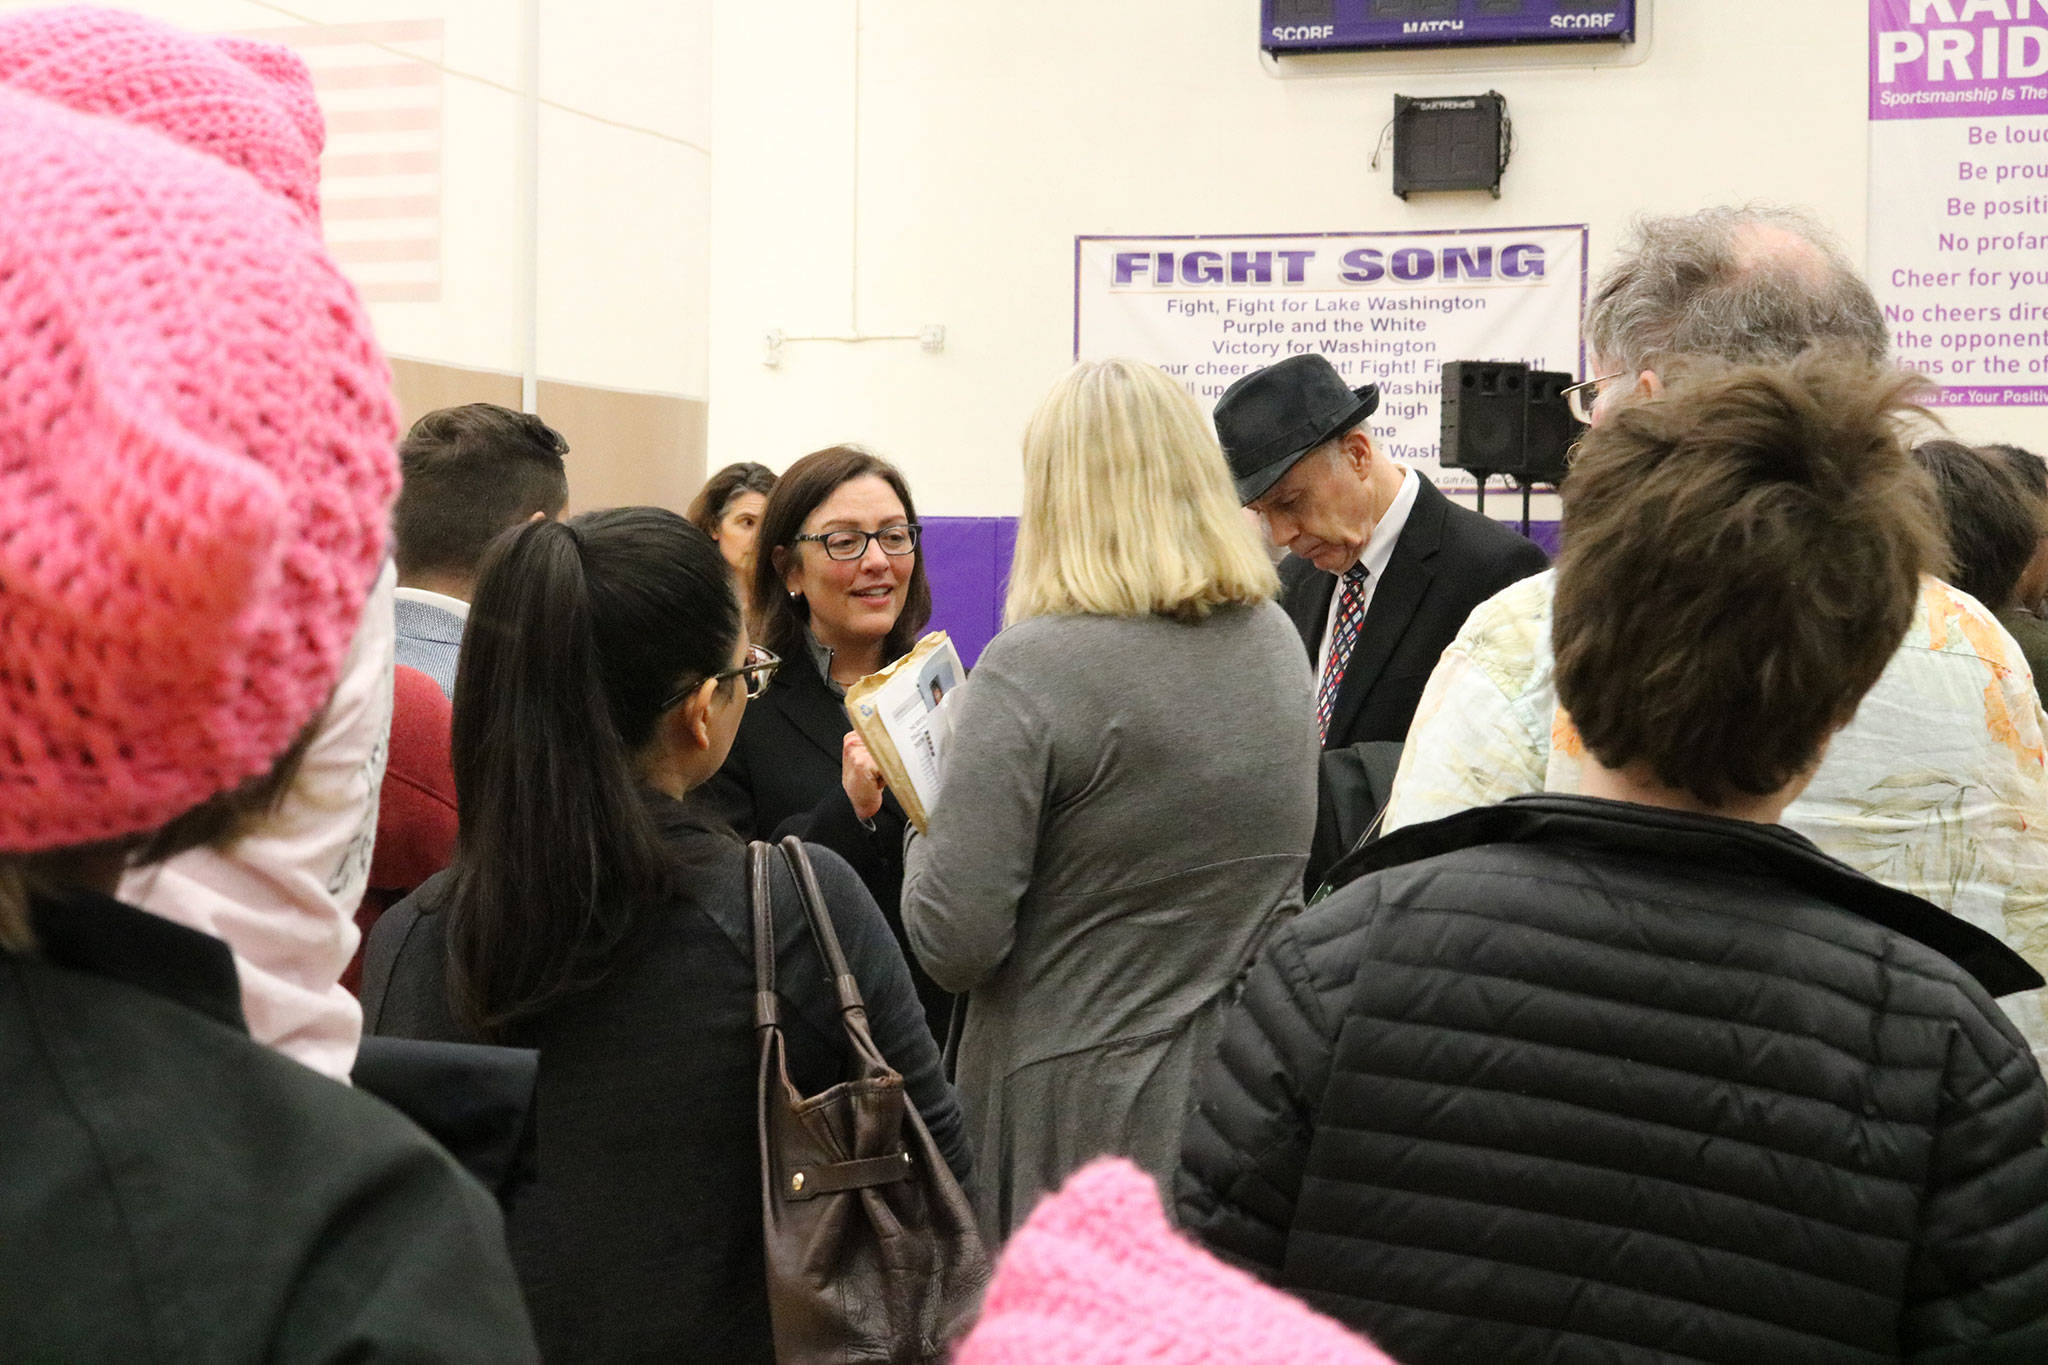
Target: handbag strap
{"x":767,"y":1007}
{"x":813,"y":897}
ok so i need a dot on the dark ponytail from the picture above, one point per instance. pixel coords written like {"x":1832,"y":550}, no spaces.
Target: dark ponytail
{"x":579,"y":631}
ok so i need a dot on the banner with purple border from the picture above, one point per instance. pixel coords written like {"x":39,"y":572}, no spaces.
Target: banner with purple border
{"x":1386,"y":307}
{"x":1957,"y":58}
{"x":1959,"y":193}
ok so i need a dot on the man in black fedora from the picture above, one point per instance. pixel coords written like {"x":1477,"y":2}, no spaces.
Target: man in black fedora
{"x":1382,"y":572}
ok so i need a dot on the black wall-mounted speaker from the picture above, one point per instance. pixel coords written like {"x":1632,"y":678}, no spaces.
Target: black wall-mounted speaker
{"x":1454,"y":142}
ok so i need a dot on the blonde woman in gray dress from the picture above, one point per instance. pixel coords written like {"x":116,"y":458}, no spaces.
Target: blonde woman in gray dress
{"x":1128,"y":795}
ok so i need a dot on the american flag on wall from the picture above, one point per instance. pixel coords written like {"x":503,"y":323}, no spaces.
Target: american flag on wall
{"x":380,"y":176}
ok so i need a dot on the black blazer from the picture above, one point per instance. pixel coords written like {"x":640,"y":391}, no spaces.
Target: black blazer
{"x":640,"y":1238}
{"x":782,"y":778}
{"x":1448,"y":560}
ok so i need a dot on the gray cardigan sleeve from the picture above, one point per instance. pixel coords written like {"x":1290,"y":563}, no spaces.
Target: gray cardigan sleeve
{"x":963,"y":881}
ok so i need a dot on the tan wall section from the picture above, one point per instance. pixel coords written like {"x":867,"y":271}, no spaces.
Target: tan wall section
{"x":423,"y":387}
{"x":627,"y":449}
{"x":624,"y":448}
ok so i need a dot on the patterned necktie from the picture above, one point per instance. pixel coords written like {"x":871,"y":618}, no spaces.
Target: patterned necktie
{"x":1343,"y":635}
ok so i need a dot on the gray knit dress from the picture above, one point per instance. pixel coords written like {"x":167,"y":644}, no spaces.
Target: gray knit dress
{"x":1126,"y":806}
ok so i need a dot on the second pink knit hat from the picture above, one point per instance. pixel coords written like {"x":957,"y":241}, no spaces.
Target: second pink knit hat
{"x":196,"y":472}
{"x":251,"y":104}
{"x":1097,"y":1277}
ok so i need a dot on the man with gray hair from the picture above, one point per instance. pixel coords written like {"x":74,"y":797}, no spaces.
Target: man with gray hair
{"x":1937,"y":785}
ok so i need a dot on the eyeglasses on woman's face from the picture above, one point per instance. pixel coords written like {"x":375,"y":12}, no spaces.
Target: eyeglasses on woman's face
{"x":896,"y":541}
{"x":754,"y":674}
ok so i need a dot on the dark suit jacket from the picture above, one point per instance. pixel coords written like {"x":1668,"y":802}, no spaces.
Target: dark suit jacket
{"x":782,"y":778}
{"x":1448,"y":560}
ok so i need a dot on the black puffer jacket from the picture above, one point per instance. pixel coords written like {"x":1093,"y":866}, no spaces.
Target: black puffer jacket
{"x":1573,"y":1080}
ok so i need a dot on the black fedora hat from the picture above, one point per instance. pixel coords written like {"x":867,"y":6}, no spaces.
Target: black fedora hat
{"x":1272,"y":417}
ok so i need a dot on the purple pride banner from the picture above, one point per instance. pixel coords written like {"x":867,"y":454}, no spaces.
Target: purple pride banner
{"x":1350,"y":25}
{"x":1958,"y":58}
{"x":1958,"y":223}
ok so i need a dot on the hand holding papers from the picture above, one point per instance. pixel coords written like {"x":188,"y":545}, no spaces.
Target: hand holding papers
{"x":899,"y":714}
{"x":861,"y":777}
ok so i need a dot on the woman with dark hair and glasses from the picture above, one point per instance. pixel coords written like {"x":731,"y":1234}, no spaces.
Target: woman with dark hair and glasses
{"x":839,"y":591}
{"x":595,"y":914}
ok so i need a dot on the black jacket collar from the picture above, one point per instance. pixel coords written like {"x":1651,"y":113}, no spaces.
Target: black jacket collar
{"x":86,"y":931}
{"x":1713,"y":843}
{"x":800,"y":694}
{"x":1408,"y":574}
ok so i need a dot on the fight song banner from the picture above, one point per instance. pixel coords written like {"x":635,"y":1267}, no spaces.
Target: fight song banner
{"x":1388,"y":308}
{"x":1959,"y":193}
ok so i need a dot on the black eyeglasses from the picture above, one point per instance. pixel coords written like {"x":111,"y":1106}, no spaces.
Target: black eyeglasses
{"x":897,"y":540}
{"x":754,"y":674}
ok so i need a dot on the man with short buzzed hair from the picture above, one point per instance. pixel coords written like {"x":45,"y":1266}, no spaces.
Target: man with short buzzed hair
{"x":471,"y":472}
{"x":1937,"y":786}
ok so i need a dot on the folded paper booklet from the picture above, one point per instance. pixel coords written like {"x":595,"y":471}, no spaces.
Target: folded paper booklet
{"x":901,"y":716}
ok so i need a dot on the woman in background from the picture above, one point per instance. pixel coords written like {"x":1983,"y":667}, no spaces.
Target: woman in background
{"x":839,"y":592}
{"x":1994,"y":522}
{"x":728,"y":509}
{"x":2031,"y":472}
{"x":594,"y":915}
{"x":1128,"y":797}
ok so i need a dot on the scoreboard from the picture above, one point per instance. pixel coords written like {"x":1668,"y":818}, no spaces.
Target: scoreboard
{"x":1352,"y":25}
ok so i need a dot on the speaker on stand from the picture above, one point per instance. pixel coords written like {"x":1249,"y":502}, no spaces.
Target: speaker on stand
{"x":1501,"y":417}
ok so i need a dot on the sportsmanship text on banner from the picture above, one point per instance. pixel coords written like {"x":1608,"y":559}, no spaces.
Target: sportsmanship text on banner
{"x":1959,"y":193}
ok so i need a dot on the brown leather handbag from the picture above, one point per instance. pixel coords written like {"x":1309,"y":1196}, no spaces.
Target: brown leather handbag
{"x":872,"y":1250}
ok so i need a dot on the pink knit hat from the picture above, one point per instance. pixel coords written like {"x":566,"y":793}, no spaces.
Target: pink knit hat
{"x":250,"y":104}
{"x":196,"y":471}
{"x":1096,"y":1277}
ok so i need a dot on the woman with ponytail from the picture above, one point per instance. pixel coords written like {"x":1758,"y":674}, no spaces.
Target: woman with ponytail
{"x":595,"y":913}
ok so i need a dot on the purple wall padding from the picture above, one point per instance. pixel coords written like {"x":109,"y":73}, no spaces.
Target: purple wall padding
{"x":968,"y":562}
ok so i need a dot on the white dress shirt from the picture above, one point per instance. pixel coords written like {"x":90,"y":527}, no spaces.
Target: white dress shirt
{"x":1379,"y":548}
